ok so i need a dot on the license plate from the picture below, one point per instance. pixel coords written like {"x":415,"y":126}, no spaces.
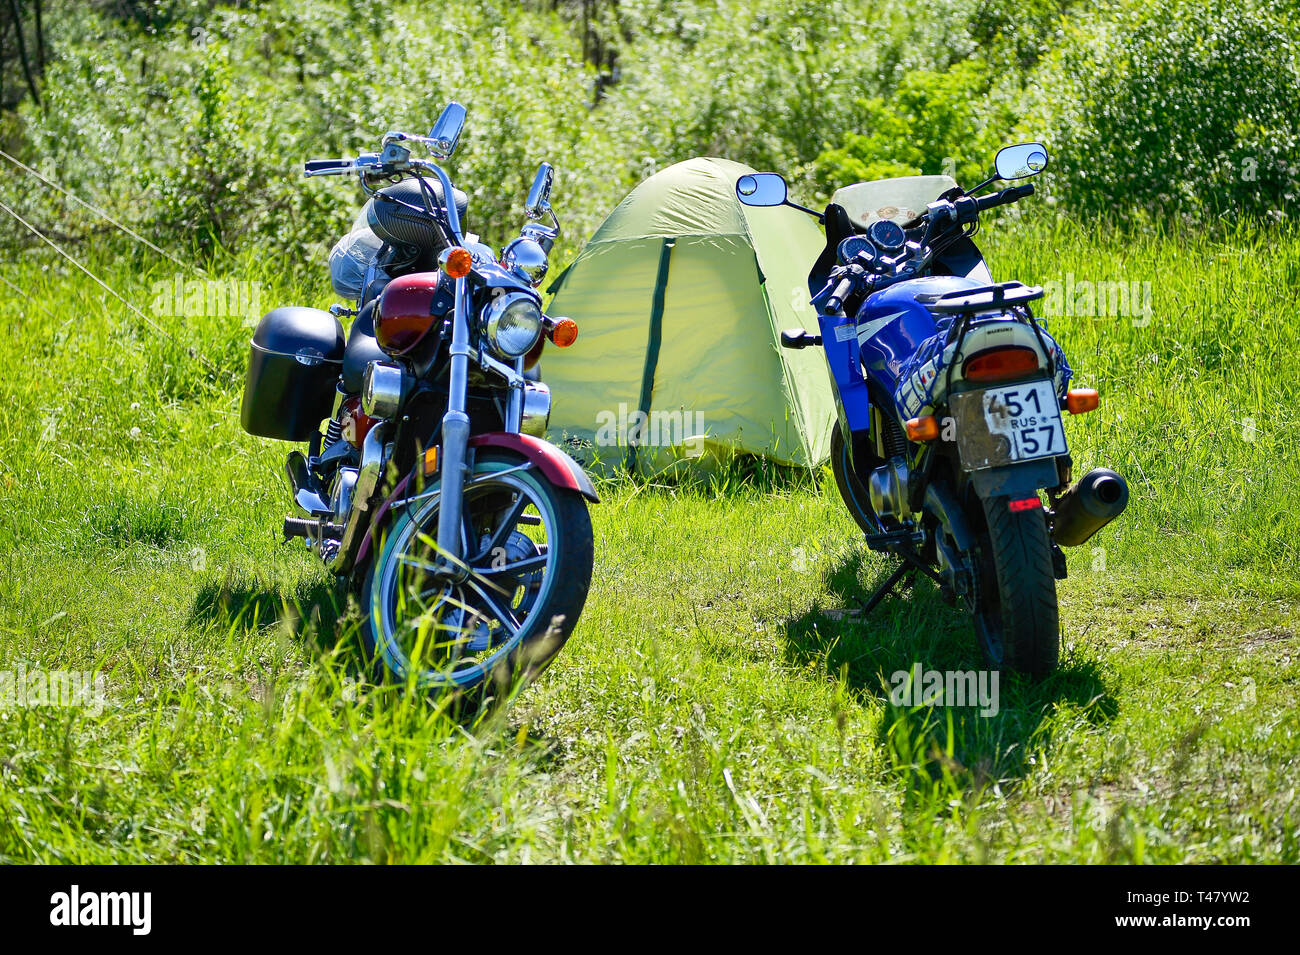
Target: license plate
{"x":1006,"y":424}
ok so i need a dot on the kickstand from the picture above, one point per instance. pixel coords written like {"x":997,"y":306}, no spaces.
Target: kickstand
{"x":887,"y":588}
{"x":911,"y":564}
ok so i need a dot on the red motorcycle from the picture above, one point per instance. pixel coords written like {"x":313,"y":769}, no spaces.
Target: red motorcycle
{"x":426,"y":485}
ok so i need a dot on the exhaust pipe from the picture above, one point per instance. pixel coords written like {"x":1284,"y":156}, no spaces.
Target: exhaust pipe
{"x":1098,"y":498}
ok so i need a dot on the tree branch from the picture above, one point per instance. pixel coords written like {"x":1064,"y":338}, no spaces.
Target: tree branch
{"x":22,"y":51}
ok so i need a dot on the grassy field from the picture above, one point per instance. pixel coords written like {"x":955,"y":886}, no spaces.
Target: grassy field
{"x":722,"y":699}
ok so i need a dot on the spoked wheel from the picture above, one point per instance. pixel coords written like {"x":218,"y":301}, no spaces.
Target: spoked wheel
{"x":1016,"y":616}
{"x":504,"y":610}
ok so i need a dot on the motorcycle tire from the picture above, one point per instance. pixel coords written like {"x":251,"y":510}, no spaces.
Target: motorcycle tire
{"x":851,"y":489}
{"x":1016,"y":615}
{"x":550,"y":604}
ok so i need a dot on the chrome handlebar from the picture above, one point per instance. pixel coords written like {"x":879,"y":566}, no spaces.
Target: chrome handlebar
{"x":395,"y":160}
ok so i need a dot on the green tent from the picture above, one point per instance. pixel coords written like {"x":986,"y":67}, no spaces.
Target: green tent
{"x":680,"y":298}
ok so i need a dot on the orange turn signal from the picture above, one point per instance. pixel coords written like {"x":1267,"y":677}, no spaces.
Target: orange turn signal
{"x":923,"y":429}
{"x":563,"y":333}
{"x":456,"y":261}
{"x":1081,"y":400}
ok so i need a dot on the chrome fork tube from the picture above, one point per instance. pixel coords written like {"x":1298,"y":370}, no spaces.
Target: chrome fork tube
{"x":455,"y":438}
{"x":515,"y":399}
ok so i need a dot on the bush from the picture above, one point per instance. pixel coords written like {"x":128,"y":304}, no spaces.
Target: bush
{"x":934,"y":123}
{"x":189,"y":119}
{"x":1181,"y":107}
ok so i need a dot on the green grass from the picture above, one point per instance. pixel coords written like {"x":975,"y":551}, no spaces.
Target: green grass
{"x":722,"y":699}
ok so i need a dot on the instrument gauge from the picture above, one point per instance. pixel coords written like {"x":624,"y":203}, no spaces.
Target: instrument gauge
{"x":887,"y":235}
{"x":850,"y":248}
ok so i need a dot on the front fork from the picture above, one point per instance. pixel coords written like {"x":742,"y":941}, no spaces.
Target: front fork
{"x":455,"y":440}
{"x":456,"y":433}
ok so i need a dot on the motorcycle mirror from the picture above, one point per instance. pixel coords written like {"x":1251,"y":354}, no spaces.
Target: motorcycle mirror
{"x":1020,"y":161}
{"x":446,"y":131}
{"x":761,"y":189}
{"x":539,"y":195}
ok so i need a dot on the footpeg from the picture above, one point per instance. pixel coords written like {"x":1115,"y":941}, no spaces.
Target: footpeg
{"x":890,"y":542}
{"x":311,"y":530}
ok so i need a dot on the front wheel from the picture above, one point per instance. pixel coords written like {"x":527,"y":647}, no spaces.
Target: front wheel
{"x":1016,"y":616}
{"x":851,"y":490}
{"x":484,"y":632}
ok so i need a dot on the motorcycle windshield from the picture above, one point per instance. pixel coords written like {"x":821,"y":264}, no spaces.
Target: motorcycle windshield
{"x":351,"y":256}
{"x":897,"y":199}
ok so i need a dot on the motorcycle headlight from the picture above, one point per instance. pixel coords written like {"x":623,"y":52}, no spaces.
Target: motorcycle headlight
{"x":513,"y":324}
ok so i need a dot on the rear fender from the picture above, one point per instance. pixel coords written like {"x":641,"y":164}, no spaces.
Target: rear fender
{"x":1023,"y":478}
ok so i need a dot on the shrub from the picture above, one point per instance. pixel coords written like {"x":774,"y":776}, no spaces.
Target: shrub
{"x":935,"y":122}
{"x":1178,"y":107}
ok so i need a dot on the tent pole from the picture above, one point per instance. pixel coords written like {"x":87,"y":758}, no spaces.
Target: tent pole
{"x":653,"y":344}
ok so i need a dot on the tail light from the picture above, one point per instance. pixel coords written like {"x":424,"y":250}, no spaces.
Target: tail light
{"x":999,"y":364}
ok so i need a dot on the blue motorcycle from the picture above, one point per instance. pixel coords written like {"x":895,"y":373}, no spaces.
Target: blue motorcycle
{"x":950,"y":396}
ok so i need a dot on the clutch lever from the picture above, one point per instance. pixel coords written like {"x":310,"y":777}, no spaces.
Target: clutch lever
{"x":328,"y":167}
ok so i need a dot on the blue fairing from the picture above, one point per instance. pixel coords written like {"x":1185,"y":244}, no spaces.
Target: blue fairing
{"x":892,"y":324}
{"x":887,"y":330}
{"x":895,"y":339}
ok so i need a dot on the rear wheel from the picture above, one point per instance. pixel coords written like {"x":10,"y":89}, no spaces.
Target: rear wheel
{"x":526,"y":568}
{"x":1016,"y":616}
